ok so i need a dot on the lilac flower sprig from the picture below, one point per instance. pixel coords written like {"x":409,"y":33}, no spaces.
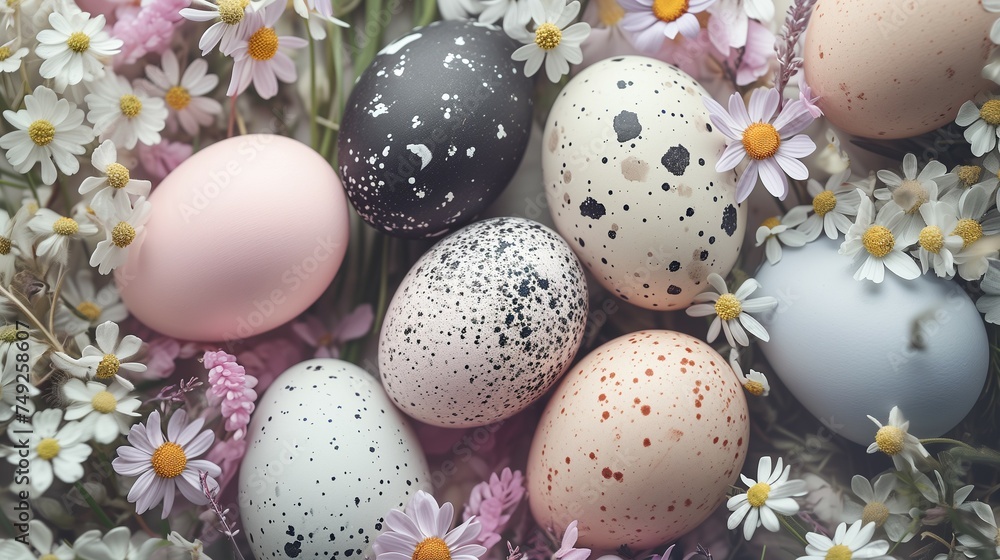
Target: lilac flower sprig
{"x":492,"y":502}
{"x":174,"y":394}
{"x":233,"y":388}
{"x":213,"y":502}
{"x":788,"y":63}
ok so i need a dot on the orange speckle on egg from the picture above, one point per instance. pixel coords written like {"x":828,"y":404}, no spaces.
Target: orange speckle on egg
{"x":592,"y":455}
{"x":645,"y":410}
{"x":661,"y":357}
{"x":619,"y":476}
{"x":649,"y":372}
{"x":687,"y":502}
{"x":605,"y":414}
{"x":611,"y":375}
{"x":635,"y":380}
{"x":670,"y":508}
{"x":567,"y":460}
{"x":601,"y":397}
{"x":646,"y":442}
{"x":606,"y":472}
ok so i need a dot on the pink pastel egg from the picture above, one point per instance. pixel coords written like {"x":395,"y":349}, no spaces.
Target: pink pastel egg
{"x":243,"y":236}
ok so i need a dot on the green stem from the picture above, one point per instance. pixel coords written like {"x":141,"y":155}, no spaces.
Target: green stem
{"x":425,"y":12}
{"x":372,"y":9}
{"x":13,"y":184}
{"x":101,"y":516}
{"x":947,"y":441}
{"x":313,"y":97}
{"x":335,"y":64}
{"x":31,"y":185}
{"x":31,"y":317}
{"x":383,"y":285}
{"x":792,"y":530}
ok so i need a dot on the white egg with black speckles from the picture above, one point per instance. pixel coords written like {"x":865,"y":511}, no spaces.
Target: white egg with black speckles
{"x":483,"y":324}
{"x":327,"y":457}
{"x":628,"y":160}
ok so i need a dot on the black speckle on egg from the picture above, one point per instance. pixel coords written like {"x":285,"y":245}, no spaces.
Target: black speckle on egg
{"x":729,"y":220}
{"x":592,"y":209}
{"x":627,"y":126}
{"x":676,"y":160}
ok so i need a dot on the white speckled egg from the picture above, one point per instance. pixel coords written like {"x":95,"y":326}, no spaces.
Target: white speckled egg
{"x":640,"y":441}
{"x":917,"y":344}
{"x":328,"y":457}
{"x":628,"y":160}
{"x":483,"y":324}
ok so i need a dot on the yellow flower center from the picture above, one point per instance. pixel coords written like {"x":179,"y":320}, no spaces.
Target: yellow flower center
{"x":168,"y":460}
{"x":931,"y":239}
{"x":838,"y":552}
{"x":609,"y":12}
{"x":48,"y":557}
{"x":104,"y":402}
{"x":231,"y":11}
{"x":910,"y":195}
{"x":118,"y":175}
{"x":130,"y":105}
{"x":4,"y":53}
{"x":875,"y":512}
{"x":889,"y":439}
{"x":757,"y":494}
{"x":991,"y":112}
{"x":5,"y":245}
{"x":89,"y":309}
{"x":8,"y":334}
{"x":761,"y":140}
{"x":78,"y":42}
{"x":547,"y":36}
{"x":432,"y":548}
{"x":41,"y":132}
{"x":969,"y":174}
{"x":755,"y":388}
{"x":263,"y":44}
{"x":108,"y":367}
{"x":178,"y":98}
{"x":969,"y":230}
{"x":669,"y":10}
{"x":771,"y":222}
{"x":824,"y":202}
{"x":878,"y":241}
{"x":123,"y":234}
{"x":48,"y":448}
{"x":66,"y":226}
{"x":728,"y":307}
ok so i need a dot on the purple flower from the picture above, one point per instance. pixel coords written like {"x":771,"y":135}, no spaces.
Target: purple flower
{"x":231,"y":386}
{"x":773,"y":144}
{"x":567,"y":550}
{"x":493,"y":502}
{"x":147,"y":30}
{"x":652,"y":21}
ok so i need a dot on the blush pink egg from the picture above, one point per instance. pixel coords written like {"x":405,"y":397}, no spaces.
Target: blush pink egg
{"x":243,"y":237}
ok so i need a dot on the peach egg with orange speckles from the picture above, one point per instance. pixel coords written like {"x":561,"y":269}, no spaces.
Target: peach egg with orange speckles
{"x":640,"y":441}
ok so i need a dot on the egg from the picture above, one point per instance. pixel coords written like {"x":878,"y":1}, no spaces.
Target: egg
{"x":230,"y":253}
{"x":848,"y":349}
{"x":628,"y":160}
{"x":327,"y":457}
{"x":435,"y":128}
{"x":640,"y":442}
{"x":483,"y":324}
{"x":928,"y":63}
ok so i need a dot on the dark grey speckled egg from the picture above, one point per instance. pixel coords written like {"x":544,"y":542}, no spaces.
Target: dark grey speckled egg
{"x":435,"y":128}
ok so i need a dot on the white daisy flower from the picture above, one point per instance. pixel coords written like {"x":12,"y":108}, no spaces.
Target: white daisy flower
{"x":106,"y":360}
{"x":261,"y":57}
{"x":772,"y":493}
{"x":953,"y":184}
{"x":879,"y":506}
{"x":76,"y":49}
{"x":515,"y":15}
{"x":55,"y":232}
{"x":981,"y":118}
{"x":732,"y":311}
{"x":51,"y":449}
{"x":11,"y":56}
{"x":422,"y":533}
{"x":552,"y":42}
{"x":991,"y":163}
{"x":123,"y":114}
{"x":231,"y":16}
{"x":317,"y":13}
{"x":878,"y":244}
{"x":977,"y":225}
{"x":193,"y":550}
{"x":42,"y":541}
{"x":651,"y":22}
{"x":907,"y":193}
{"x":95,"y":306}
{"x":166,"y":465}
{"x":184,"y":94}
{"x":989,"y":303}
{"x":117,"y":544}
{"x":50,"y":132}
{"x":13,"y":391}
{"x":104,"y":411}
{"x":938,"y":495}
{"x":847,"y":543}
{"x":125,"y":227}
{"x":985,"y":536}
{"x":937,"y":242}
{"x":115,"y":178}
{"x":8,"y":255}
{"x":459,"y":9}
{"x":755,"y":383}
{"x":775,"y":231}
{"x":894,"y":440}
{"x":833,"y":207}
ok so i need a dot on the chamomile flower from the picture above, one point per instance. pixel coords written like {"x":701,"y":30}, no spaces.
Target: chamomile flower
{"x":514,"y":13}
{"x":772,"y":493}
{"x":76,"y":49}
{"x":114,"y":180}
{"x":847,"y":543}
{"x":552,"y":42}
{"x":42,"y":541}
{"x":317,"y":13}
{"x":879,"y":506}
{"x":92,"y":306}
{"x":125,"y":226}
{"x":732,"y":311}
{"x":894,"y":440}
{"x":261,"y":57}
{"x":52,"y":449}
{"x":123,"y":114}
{"x":833,"y":207}
{"x":651,"y":22}
{"x":166,"y":465}
{"x":772,"y":143}
{"x":937,"y":242}
{"x":11,"y":56}
{"x":49,"y":131}
{"x":951,"y":185}
{"x":116,"y":544}
{"x":422,"y":533}
{"x":104,"y":411}
{"x":775,"y":231}
{"x":985,"y":536}
{"x":989,"y":303}
{"x":876,"y":245}
{"x":184,"y":94}
{"x":55,"y":231}
{"x":908,"y":192}
{"x":459,"y":9}
{"x":755,"y":383}
{"x":977,"y":226}
{"x":231,"y":19}
{"x":8,"y":255}
{"x":106,"y":361}
{"x":193,"y":550}
{"x":981,"y":118}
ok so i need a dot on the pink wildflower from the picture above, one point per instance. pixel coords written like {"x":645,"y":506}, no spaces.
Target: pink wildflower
{"x":327,"y":342}
{"x":493,"y":502}
{"x":568,"y":551}
{"x":147,"y":30}
{"x":231,"y":385}
{"x":227,"y":454}
{"x":161,"y":159}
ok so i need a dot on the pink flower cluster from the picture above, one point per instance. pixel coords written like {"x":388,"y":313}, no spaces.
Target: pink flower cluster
{"x":493,"y":502}
{"x":147,"y":29}
{"x":230,"y":384}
